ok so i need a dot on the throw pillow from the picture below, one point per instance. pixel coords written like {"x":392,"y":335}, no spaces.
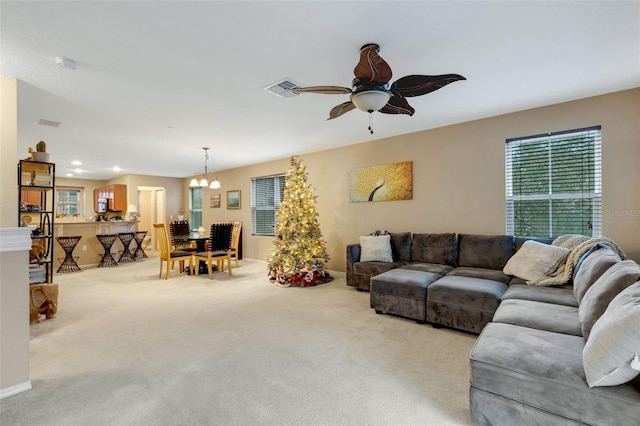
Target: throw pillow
{"x":601,"y":293}
{"x":375,"y":248}
{"x":614,"y":341}
{"x":534,"y":260}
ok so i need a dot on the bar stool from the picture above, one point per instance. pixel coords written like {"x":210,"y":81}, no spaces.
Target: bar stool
{"x":107,"y":259}
{"x":126,"y":255}
{"x":139,"y":237}
{"x":68,"y":263}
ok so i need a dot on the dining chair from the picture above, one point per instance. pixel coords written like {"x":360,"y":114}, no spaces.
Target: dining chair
{"x":219,"y":249}
{"x":235,"y":240}
{"x":167,"y":254}
{"x":181,"y":227}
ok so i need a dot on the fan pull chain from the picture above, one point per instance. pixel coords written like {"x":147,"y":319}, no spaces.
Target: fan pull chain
{"x":371,"y":122}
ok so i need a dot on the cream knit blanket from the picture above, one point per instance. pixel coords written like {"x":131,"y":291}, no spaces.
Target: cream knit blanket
{"x":562,"y":271}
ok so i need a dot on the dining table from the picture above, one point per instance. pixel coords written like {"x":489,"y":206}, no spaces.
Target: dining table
{"x":200,"y":240}
{"x":195,"y":236}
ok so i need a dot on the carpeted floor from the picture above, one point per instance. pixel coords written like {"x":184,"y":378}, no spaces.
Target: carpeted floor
{"x":127,"y":348}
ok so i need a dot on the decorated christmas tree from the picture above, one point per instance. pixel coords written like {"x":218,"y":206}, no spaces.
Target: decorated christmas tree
{"x":299,"y":255}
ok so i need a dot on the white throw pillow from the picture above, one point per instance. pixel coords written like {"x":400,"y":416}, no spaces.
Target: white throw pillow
{"x":534,"y":260}
{"x":375,"y":248}
{"x":614,"y":341}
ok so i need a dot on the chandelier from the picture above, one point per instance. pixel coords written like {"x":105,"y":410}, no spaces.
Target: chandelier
{"x":203,"y":183}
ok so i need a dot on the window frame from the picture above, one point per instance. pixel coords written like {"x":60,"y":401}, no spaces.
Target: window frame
{"x":553,"y":140}
{"x":256,"y":206}
{"x":62,"y":212}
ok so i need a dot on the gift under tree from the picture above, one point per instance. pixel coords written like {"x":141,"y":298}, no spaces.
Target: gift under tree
{"x":299,"y":255}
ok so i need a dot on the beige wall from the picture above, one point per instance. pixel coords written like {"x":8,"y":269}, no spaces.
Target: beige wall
{"x":458,"y":174}
{"x":8,"y":151}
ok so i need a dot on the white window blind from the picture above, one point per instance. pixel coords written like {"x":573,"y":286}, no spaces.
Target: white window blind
{"x":266,"y":195}
{"x":195,"y":208}
{"x":554,"y":184}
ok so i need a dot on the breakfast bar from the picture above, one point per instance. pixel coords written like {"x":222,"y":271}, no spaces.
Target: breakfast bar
{"x":89,"y":250}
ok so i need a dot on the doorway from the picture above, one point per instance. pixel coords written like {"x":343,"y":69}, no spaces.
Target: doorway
{"x":152,"y":208}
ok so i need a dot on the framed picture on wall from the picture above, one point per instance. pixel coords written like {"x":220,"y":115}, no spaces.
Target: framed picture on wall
{"x":214,"y":201}
{"x":233,"y":199}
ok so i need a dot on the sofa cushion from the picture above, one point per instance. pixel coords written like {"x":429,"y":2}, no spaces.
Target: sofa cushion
{"x":485,"y":251}
{"x":544,"y":370}
{"x":539,"y":315}
{"x":534,"y":260}
{"x":401,"y":246}
{"x":482,"y":273}
{"x":403,"y":283}
{"x":374,"y":268}
{"x":463,"y":302}
{"x":376,"y":248}
{"x":614,"y":341}
{"x":592,"y":265}
{"x":435,"y":248}
{"x":434,"y":268}
{"x":557,"y":295}
{"x":597,"y":298}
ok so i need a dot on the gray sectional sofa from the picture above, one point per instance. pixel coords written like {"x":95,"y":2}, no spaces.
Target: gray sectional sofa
{"x":544,"y":355}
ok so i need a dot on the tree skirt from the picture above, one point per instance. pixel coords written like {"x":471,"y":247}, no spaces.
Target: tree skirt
{"x":300,"y":279}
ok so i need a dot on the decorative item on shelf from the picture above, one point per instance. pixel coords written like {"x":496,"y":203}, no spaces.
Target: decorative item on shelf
{"x":202,"y":231}
{"x":41,"y":153}
{"x":203,"y":183}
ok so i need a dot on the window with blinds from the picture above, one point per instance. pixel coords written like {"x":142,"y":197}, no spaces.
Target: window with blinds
{"x":554,"y":184}
{"x":266,"y":195}
{"x":195,"y":208}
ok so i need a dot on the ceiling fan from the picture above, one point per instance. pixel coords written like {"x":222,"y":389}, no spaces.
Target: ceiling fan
{"x":370,"y":91}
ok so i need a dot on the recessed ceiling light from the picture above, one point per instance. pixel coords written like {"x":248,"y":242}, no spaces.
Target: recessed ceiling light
{"x":69,"y":174}
{"x":66,"y":63}
{"x":116,"y":169}
{"x":76,"y":163}
{"x":78,"y":170}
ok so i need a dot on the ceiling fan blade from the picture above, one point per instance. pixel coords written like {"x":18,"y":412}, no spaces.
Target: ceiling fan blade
{"x":338,"y":110}
{"x":417,"y":85}
{"x":325,"y":90}
{"x":371,"y":66}
{"x":397,"y":105}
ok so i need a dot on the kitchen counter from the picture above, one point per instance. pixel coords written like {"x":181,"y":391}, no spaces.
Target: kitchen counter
{"x":89,"y":249}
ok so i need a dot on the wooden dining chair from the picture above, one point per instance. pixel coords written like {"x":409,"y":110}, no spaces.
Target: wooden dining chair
{"x":181,"y":227}
{"x":235,"y":240}
{"x":219,"y":249}
{"x":167,"y":254}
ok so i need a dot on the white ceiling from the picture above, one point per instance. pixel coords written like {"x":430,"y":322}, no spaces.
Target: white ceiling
{"x":157,"y":81}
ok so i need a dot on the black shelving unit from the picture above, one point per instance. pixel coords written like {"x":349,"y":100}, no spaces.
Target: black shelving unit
{"x":36,"y":183}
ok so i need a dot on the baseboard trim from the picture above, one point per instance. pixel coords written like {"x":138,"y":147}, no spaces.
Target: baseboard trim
{"x":12,"y":390}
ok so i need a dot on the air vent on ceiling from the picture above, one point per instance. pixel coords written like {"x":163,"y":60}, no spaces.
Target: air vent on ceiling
{"x":283,"y":89}
{"x":49,"y":123}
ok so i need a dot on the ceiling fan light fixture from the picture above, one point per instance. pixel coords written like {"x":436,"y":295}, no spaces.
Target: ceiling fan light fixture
{"x":370,"y":100}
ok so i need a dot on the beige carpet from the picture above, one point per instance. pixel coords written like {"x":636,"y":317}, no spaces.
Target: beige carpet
{"x":127,"y":348}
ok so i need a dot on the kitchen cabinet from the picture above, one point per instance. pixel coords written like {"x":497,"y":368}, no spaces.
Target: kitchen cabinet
{"x":116,"y":196}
